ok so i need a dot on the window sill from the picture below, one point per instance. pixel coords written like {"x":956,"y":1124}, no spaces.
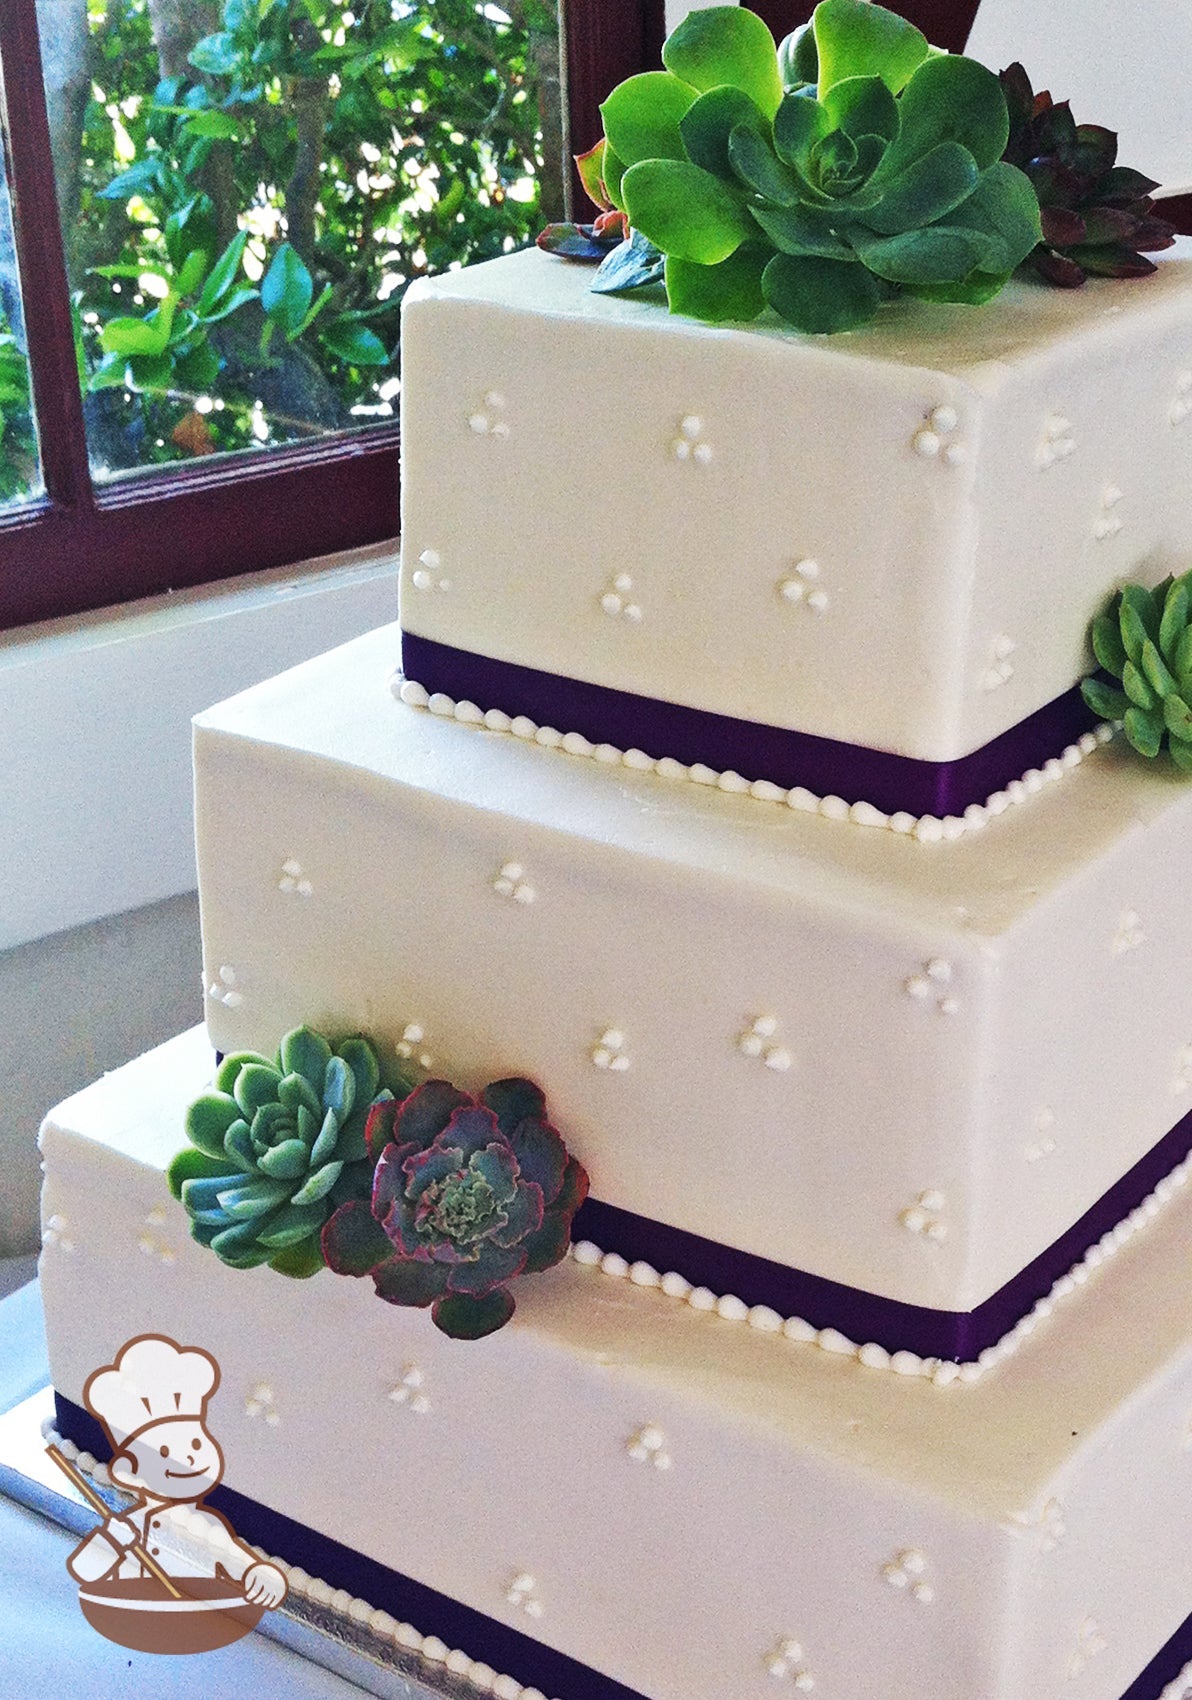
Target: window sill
{"x":95,"y":787}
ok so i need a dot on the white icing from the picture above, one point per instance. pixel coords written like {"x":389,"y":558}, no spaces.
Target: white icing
{"x":609,"y":1051}
{"x":907,"y":1570}
{"x":510,"y":881}
{"x":924,"y":829}
{"x":1129,"y":933}
{"x":408,"y":1391}
{"x":410,"y":1046}
{"x":292,"y":880}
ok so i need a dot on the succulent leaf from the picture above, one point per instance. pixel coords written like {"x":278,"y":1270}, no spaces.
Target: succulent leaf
{"x":728,"y":292}
{"x":1135,"y":685}
{"x":861,"y":106}
{"x":1144,"y":731}
{"x":1144,"y":638}
{"x":707,"y":125}
{"x":685,"y":211}
{"x":465,"y":1318}
{"x":726,"y":45}
{"x":931,"y":186}
{"x":950,"y":99}
{"x":630,"y":265}
{"x":820,"y":295}
{"x":643,"y":114}
{"x":208,"y":1120}
{"x":857,"y":39}
{"x":1104,"y":700}
{"x":799,"y":124}
{"x":1157,"y":675}
{"x":756,"y":165}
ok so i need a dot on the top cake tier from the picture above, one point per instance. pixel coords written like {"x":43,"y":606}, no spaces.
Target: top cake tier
{"x":894,"y":538}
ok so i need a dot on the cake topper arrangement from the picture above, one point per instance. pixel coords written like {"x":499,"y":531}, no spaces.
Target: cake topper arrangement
{"x":1144,"y":641}
{"x":308,"y":1161}
{"x":849,"y":165}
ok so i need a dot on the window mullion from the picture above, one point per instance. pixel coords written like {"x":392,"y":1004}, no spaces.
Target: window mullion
{"x":41,"y":260}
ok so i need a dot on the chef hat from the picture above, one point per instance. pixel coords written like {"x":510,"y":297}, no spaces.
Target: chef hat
{"x":153,"y":1380}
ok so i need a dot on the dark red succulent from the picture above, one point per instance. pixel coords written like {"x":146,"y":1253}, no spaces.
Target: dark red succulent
{"x":468,"y":1193}
{"x":1098,"y":217}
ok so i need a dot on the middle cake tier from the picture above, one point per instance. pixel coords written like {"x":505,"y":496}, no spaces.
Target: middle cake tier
{"x":899,"y":1088}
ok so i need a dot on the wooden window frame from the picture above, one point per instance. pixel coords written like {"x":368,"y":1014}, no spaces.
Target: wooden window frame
{"x":84,"y":545}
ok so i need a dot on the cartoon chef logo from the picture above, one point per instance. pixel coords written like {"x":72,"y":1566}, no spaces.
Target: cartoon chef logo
{"x":166,"y":1575}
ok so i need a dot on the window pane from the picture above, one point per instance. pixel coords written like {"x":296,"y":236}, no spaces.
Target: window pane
{"x":247,"y":188}
{"x":20,"y":467}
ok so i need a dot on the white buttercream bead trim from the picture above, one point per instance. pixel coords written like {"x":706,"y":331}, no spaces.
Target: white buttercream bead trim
{"x":923,"y":829}
{"x":943,"y":1372}
{"x":339,"y":1602}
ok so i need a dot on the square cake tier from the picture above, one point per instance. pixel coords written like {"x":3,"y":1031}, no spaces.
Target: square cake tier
{"x":689,"y":1506}
{"x":906,"y":1068}
{"x":895,"y":538}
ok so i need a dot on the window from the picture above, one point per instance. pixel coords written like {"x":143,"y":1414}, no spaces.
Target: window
{"x":210,"y":385}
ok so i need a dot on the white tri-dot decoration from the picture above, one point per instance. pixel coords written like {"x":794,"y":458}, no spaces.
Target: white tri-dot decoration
{"x":511,"y":882}
{"x":260,"y":1403}
{"x":1089,"y":1642}
{"x":1043,"y":1144}
{"x":802,"y":587}
{"x":785,"y":1663}
{"x":926,"y":1216}
{"x":522,"y":1592}
{"x":689,"y":444}
{"x":1182,"y":1080}
{"x":609,"y":1051}
{"x":1000,"y":670}
{"x":1108,"y":521}
{"x":293,"y":881}
{"x":150,"y":1242}
{"x":1129,"y":933}
{"x":935,"y":438}
{"x":427,"y":574}
{"x":648,"y":1446}
{"x":1046,"y":1524}
{"x":489,"y":418}
{"x":758,"y":1041}
{"x":57,"y":1233}
{"x":930,"y":986}
{"x":408,"y":1047}
{"x":1056,"y":442}
{"x":408,"y":1391}
{"x":617,"y":601}
{"x":1181,"y":404}
{"x":224,"y":989}
{"x":908,"y":1570}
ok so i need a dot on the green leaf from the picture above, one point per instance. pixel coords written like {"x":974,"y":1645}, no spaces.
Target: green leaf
{"x":798,"y":126}
{"x":949,"y":99}
{"x":1144,"y":731}
{"x":927,"y":189}
{"x":820,"y":295}
{"x":285,"y":1162}
{"x":223,"y":273}
{"x":1183,"y":655}
{"x":614,"y":171}
{"x":324,"y":1147}
{"x":802,"y":230}
{"x":301,"y":1260}
{"x":256,"y":1085}
{"x":215,"y":54}
{"x":1108,"y":646}
{"x":1181,"y":754}
{"x":971,"y":291}
{"x":726,"y":45}
{"x":856,"y":39}
{"x":354,"y":342}
{"x":731,"y":290}
{"x":141,"y":178}
{"x":1004,"y":208}
{"x":1178,"y":718}
{"x":462,"y":1317}
{"x":642,"y":117}
{"x":191,"y":1165}
{"x":862,"y":106}
{"x":1140,"y":619}
{"x":254,"y":1198}
{"x":219,"y":126}
{"x":307,"y":1053}
{"x":194,"y":269}
{"x":286,"y":290}
{"x":1136,"y":687}
{"x":685,"y":211}
{"x":232,"y":304}
{"x":199,"y":369}
{"x":320,"y":301}
{"x":758,"y":167}
{"x":129,"y":336}
{"x":1104,"y":700}
{"x":149,"y":372}
{"x":1175,"y":619}
{"x":293,"y":1224}
{"x":319,"y":1183}
{"x":339,"y":1088}
{"x":707,"y":125}
{"x":1155,"y":669}
{"x":208,"y":1120}
{"x":937,"y":254}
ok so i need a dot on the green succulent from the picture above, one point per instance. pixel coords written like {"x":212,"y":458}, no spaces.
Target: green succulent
{"x":882,"y":176}
{"x":275,"y":1147}
{"x":1144,"y":640}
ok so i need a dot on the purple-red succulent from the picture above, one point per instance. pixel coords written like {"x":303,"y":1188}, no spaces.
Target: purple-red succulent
{"x":1098,"y":216}
{"x":469,"y":1192}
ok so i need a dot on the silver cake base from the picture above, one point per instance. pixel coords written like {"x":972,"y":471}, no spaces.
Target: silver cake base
{"x":325,"y":1636}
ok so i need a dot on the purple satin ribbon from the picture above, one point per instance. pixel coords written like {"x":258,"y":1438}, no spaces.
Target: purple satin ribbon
{"x":689,"y":735}
{"x":432,"y":1613}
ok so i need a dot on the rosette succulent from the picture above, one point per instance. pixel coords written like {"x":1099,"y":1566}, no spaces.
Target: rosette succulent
{"x":275,"y":1147}
{"x":878,"y":172}
{"x":468,"y":1193}
{"x":1144,"y":639}
{"x":1097,"y":216}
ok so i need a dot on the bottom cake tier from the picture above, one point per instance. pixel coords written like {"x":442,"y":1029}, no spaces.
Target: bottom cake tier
{"x":619,"y":1495}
